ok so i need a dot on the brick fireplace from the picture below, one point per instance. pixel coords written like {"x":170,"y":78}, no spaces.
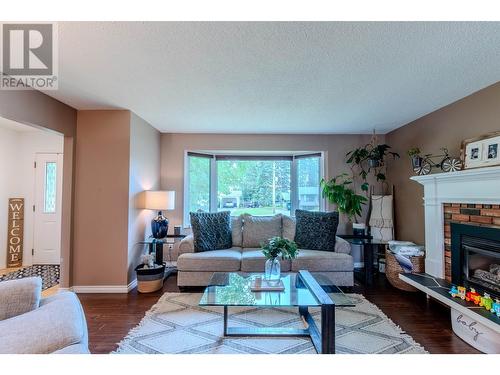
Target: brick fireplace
{"x":470,"y":196}
{"x":466,"y":213}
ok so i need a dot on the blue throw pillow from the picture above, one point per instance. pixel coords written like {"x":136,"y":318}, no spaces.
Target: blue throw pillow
{"x":211,"y":230}
{"x":316,"y":230}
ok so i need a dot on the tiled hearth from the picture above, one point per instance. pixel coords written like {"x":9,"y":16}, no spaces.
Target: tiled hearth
{"x":473,"y":214}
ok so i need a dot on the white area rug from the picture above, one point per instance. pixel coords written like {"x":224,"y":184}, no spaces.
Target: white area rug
{"x":176,"y":324}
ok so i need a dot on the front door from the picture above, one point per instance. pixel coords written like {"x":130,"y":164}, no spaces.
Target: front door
{"x":47,"y":222}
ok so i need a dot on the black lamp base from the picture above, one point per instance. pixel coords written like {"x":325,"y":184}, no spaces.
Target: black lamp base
{"x":159,"y":226}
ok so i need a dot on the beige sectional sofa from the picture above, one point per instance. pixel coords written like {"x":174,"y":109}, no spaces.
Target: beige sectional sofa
{"x":248,"y":232}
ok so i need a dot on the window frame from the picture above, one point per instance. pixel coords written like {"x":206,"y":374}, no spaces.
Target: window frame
{"x":185,"y":208}
{"x":295,"y":168}
{"x":232,"y":155}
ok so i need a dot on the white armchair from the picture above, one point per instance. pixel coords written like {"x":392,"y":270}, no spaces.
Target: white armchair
{"x":30,"y":324}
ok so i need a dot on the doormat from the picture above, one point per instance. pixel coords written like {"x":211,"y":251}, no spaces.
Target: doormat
{"x":48,"y":272}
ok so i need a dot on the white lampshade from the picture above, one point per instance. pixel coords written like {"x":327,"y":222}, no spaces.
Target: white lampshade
{"x":159,"y":200}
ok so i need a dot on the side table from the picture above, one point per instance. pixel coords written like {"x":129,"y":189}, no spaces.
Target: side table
{"x":156,"y":247}
{"x":369,"y":247}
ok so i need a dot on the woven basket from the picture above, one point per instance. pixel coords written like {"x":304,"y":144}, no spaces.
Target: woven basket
{"x":393,"y":269}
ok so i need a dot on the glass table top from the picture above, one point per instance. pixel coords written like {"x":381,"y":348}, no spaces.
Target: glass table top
{"x":233,"y":289}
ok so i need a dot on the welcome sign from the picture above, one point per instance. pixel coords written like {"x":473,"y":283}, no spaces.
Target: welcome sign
{"x":15,"y":232}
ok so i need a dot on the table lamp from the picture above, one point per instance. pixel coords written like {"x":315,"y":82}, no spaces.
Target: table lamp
{"x":159,"y":200}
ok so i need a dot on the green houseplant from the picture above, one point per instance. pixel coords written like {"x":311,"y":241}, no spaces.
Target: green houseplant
{"x":277,"y":247}
{"x":339,"y":193}
{"x":370,"y":157}
{"x":416,"y":159}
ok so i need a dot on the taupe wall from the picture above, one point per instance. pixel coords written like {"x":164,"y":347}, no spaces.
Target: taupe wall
{"x":469,"y":117}
{"x":101,"y":198}
{"x":34,"y":108}
{"x":37,"y":109}
{"x":174,"y":145}
{"x":144,"y":174}
{"x":117,"y":157}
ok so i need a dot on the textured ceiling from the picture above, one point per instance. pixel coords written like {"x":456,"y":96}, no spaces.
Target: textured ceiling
{"x":275,"y":77}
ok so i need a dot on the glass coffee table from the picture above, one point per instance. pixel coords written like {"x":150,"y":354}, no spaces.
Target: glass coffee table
{"x":303,"y":290}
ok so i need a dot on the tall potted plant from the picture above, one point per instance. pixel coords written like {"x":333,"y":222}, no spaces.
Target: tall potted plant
{"x":338,"y":192}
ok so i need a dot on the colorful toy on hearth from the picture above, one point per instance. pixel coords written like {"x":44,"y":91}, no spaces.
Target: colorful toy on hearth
{"x":454,"y":291}
{"x":486,"y":302}
{"x":473,"y":296}
{"x":461,"y":292}
{"x":457,"y":291}
{"x":496,"y":307}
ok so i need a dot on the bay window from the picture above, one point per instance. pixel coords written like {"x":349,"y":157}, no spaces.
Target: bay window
{"x":257,"y":184}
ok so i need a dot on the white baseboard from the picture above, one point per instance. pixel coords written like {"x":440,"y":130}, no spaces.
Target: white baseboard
{"x":132,"y":285}
{"x":105,"y":288}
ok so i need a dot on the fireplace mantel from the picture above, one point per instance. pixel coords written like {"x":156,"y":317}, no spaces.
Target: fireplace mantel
{"x":479,"y":186}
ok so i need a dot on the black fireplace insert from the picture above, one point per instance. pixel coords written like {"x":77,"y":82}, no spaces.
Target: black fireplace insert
{"x":475,"y":257}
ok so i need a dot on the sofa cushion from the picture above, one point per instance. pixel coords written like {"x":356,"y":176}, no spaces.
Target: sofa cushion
{"x":316,"y":230}
{"x":342,"y":246}
{"x":216,"y":260}
{"x":322,"y":261}
{"x":252,"y":260}
{"x":19,"y":296}
{"x":211,"y":230}
{"x":288,"y":227}
{"x":257,"y":230}
{"x":237,"y":230}
{"x":186,"y":245}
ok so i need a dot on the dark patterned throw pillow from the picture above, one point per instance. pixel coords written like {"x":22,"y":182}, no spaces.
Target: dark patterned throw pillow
{"x":211,"y":230}
{"x":316,"y":230}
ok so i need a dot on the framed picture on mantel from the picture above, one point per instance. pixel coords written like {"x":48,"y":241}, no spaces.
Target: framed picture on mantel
{"x":481,"y":151}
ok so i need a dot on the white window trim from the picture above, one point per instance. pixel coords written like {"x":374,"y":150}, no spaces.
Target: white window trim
{"x":185,"y":189}
{"x":213,"y":179}
{"x":323,"y":174}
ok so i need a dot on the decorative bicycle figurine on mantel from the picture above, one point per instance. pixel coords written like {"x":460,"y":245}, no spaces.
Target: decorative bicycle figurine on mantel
{"x":423,"y":164}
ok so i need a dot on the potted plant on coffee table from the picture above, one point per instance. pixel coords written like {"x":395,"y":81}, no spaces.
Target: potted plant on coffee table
{"x":338,"y":192}
{"x":275,"y":248}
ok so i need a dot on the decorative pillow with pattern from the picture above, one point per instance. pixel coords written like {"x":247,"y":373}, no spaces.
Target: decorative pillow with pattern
{"x":316,"y":230}
{"x":211,"y":230}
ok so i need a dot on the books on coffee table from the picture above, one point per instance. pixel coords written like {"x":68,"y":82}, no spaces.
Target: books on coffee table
{"x":262,"y":285}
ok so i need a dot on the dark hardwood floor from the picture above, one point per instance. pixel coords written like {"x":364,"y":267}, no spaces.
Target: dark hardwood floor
{"x":111,"y":316}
